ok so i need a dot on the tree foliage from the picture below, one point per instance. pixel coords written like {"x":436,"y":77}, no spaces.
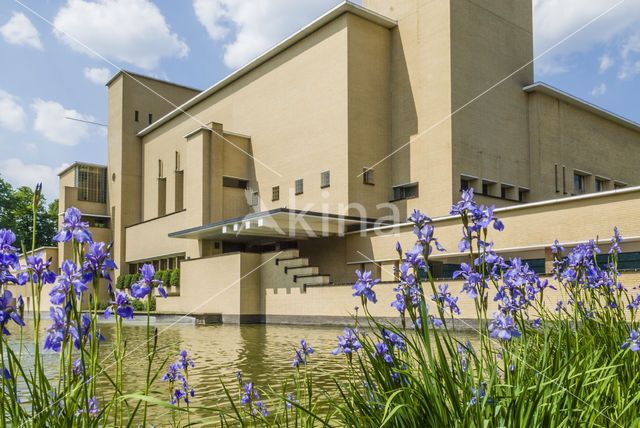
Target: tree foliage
{"x":16,"y":214}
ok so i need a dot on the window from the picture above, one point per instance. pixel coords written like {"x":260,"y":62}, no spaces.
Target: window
{"x":135,"y":115}
{"x":618,"y":185}
{"x":237,"y":183}
{"x":503,"y":192}
{"x":367,"y":176}
{"x":325,"y":179}
{"x":485,"y":188}
{"x":177,"y":161}
{"x":160,"y":168}
{"x":599,"y":185}
{"x":555,"y":171}
{"x":522,"y":195}
{"x":150,"y":118}
{"x":162,"y":196}
{"x":275,"y":193}
{"x":91,"y":183}
{"x":405,"y":191}
{"x":179,"y":191}
{"x":578,"y":184}
{"x":299,"y":186}
{"x":464,"y":184}
{"x":255,"y":199}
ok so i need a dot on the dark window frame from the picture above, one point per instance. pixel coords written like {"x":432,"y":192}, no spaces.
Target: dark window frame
{"x":325,"y":179}
{"x":299,"y":186}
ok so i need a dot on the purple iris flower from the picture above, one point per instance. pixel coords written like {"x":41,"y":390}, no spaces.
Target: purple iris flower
{"x":8,"y":312}
{"x":615,"y":241}
{"x":399,"y":303}
{"x":348,"y":342}
{"x":445,"y":299}
{"x":185,"y":361}
{"x":477,"y":394}
{"x":382,"y":350}
{"x":93,"y":408}
{"x":248,"y":394}
{"x":473,"y":280}
{"x":56,"y":331}
{"x":142,"y":288}
{"x":39,"y":269}
{"x":302,"y":353}
{"x":70,"y":277}
{"x":503,"y":327}
{"x":633,"y":341}
{"x":97,"y":260}
{"x":73,"y":226}
{"x":394,"y":340}
{"x":123,"y":306}
{"x":8,"y":253}
{"x":364,"y":285}
{"x":290,"y":401}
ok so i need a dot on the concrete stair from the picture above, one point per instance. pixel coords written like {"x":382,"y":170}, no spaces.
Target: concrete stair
{"x":300,"y":271}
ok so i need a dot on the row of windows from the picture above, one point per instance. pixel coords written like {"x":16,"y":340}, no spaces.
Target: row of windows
{"x":580,"y":179}
{"x":507,"y":191}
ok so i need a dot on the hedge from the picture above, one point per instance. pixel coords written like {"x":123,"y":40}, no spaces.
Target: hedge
{"x":168,"y":277}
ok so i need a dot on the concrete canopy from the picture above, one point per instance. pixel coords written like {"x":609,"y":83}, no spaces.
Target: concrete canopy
{"x":282,"y":223}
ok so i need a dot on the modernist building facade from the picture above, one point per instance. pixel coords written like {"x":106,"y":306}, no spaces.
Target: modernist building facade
{"x":272,"y":186}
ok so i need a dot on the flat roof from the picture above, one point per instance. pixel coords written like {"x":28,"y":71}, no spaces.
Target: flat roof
{"x":585,"y":105}
{"x":281,"y":223}
{"x":131,"y":73}
{"x":76,"y":163}
{"x":346,"y":7}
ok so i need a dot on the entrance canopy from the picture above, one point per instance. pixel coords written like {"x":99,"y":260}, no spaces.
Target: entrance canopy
{"x":281,"y":223}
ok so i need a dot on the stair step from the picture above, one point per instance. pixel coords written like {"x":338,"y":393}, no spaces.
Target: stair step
{"x":290,"y":253}
{"x":313,"y":278}
{"x":317,"y":280}
{"x":302,"y":270}
{"x":293,"y":261}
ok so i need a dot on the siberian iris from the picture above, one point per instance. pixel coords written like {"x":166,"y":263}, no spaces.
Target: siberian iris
{"x":364,"y":285}
{"x":142,"y":288}
{"x":73,"y":226}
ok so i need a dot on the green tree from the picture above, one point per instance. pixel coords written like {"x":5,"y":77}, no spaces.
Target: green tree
{"x":16,"y":214}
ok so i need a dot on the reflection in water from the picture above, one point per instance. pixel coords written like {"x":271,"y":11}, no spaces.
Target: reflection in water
{"x":263,"y":353}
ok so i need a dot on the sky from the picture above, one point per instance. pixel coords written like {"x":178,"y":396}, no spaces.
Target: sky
{"x":57,"y":55}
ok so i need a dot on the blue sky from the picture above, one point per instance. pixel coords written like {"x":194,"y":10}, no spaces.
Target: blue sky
{"x":46,"y":75}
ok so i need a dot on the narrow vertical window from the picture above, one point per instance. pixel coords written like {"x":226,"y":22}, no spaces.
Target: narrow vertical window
{"x":255,"y":199}
{"x":177,"y":161}
{"x":179,"y":191}
{"x":299,"y":186}
{"x":555,"y":168}
{"x":150,"y":118}
{"x":578,"y":184}
{"x":135,"y":115}
{"x":160,"y":168}
{"x":464,"y":184}
{"x":275,"y":193}
{"x":162,"y":196}
{"x":367,"y":176}
{"x":325,"y":179}
{"x":599,"y":185}
{"x":564,"y":180}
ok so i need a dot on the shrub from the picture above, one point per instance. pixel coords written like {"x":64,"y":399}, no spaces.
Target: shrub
{"x":175,"y":278}
{"x":166,"y":277}
{"x":120,"y":282}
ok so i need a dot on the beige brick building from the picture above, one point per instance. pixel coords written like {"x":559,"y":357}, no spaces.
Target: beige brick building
{"x":269,"y":188}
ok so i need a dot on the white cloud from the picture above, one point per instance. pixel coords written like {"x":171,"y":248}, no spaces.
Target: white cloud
{"x":31,"y":148}
{"x":629,"y":70}
{"x":20,"y":31}
{"x":19,"y":174}
{"x":50,"y":122}
{"x":97,"y":75}
{"x":606,"y":62}
{"x":553,"y":20}
{"x":132,"y":31}
{"x":12,"y":115}
{"x":255,"y":25}
{"x":599,"y":90}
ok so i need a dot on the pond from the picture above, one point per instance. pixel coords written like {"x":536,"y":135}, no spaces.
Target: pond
{"x":262,"y":352}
